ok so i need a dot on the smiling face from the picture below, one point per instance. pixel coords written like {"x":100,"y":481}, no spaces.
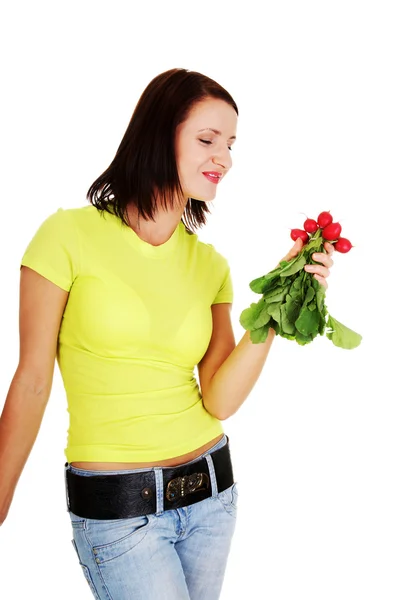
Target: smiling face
{"x":203,"y":147}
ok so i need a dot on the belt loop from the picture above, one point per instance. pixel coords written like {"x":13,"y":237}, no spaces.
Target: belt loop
{"x":158,"y":474}
{"x":213,"y":478}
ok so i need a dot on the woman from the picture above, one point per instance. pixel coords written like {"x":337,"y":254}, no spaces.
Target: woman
{"x":129,"y":301}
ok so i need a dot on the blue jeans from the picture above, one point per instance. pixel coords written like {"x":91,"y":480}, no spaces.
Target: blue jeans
{"x":178,"y":554}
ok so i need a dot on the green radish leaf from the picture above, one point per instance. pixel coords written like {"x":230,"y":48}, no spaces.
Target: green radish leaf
{"x":303,"y":339}
{"x":258,"y":336}
{"x":296,"y":265}
{"x":320,"y":294}
{"x":276,"y":295}
{"x":309,"y":295}
{"x":275,"y":326}
{"x":275,"y":312}
{"x":266,"y":282}
{"x":288,"y":336}
{"x":308,"y":321}
{"x":295,"y":286}
{"x":305,"y":283}
{"x":342,"y":336}
{"x":322,"y":325}
{"x":263,"y":284}
{"x":313,"y":246}
{"x":263,"y":318}
{"x":257,"y":285}
{"x":273,"y":289}
{"x":293,"y":307}
{"x":250,"y":315}
{"x":286,"y":324}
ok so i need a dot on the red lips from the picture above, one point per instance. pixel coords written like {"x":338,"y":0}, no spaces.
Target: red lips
{"x":213,"y":176}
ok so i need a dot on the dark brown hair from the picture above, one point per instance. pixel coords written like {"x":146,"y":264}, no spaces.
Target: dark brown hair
{"x":145,"y":160}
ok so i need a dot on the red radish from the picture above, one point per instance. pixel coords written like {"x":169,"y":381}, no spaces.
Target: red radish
{"x":299,"y":233}
{"x":310,"y":225}
{"x":332,"y":232}
{"x":343,"y":245}
{"x":324,"y":219}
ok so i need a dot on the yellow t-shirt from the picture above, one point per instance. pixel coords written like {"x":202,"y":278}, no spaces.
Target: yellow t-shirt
{"x":137,"y":322}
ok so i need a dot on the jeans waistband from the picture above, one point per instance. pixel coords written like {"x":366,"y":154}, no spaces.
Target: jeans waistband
{"x":219,"y":473}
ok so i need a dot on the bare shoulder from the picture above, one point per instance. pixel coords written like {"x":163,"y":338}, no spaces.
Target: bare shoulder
{"x":41,"y":309}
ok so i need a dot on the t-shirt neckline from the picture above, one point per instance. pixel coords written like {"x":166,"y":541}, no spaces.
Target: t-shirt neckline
{"x":146,"y":248}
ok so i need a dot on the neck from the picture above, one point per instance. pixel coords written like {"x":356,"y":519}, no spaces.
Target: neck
{"x":155,"y":232}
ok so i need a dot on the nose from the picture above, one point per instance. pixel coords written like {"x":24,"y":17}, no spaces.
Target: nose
{"x":223,"y":158}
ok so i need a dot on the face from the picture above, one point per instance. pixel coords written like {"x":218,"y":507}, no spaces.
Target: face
{"x":203,"y":147}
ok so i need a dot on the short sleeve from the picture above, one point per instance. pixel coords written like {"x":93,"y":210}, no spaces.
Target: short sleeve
{"x":53,"y":250}
{"x":225,"y":292}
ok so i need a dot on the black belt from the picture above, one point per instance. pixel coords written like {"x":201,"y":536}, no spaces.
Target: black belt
{"x":122,"y":496}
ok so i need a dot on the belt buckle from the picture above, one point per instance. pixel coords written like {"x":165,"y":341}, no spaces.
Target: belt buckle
{"x":182,"y":486}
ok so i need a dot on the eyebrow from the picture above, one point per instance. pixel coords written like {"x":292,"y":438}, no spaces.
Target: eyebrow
{"x":233,"y":137}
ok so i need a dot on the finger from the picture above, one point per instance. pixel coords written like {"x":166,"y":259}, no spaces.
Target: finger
{"x":325,"y":259}
{"x":318,"y":270}
{"x":321,"y":280}
{"x":330,"y":248}
{"x":297,"y":246}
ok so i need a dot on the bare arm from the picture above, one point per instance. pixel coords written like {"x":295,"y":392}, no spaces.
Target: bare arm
{"x":237,"y":376}
{"x":41,"y":308}
{"x":228,"y":372}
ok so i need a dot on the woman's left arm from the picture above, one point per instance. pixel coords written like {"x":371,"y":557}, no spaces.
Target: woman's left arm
{"x":227,"y":372}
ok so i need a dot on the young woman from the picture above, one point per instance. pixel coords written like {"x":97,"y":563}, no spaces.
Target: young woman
{"x":129,"y":301}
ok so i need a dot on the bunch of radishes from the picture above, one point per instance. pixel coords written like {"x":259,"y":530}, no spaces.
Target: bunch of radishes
{"x":329,"y":231}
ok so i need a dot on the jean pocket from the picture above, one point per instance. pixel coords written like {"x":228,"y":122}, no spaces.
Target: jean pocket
{"x":229,"y":499}
{"x":113,"y":537}
{"x":86,"y":573}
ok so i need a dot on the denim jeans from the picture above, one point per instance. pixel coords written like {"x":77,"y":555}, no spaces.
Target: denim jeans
{"x":178,"y":554}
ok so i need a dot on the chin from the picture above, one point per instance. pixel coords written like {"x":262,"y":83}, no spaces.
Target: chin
{"x":203,"y":197}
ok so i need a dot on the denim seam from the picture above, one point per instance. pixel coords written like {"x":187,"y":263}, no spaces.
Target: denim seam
{"x":149,"y":526}
{"x":231,"y":506}
{"x":97,"y":566}
{"x":90,"y":581}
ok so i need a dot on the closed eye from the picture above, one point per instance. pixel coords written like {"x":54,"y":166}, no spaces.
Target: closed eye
{"x":209,"y":142}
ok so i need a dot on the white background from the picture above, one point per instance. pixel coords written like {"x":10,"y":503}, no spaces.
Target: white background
{"x":316,"y":444}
